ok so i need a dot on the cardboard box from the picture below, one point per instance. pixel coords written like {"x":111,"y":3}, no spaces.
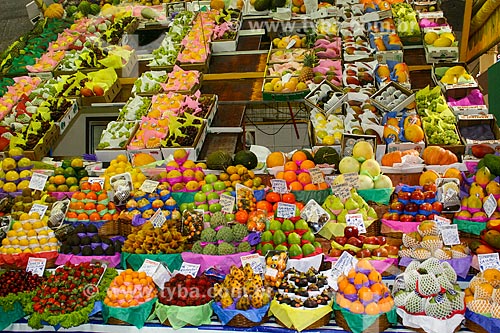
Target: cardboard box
{"x":408,"y":100}
{"x":435,"y":54}
{"x":227,"y":45}
{"x":458,"y":150}
{"x":194,"y":150}
{"x":196,"y":66}
{"x":154,"y":152}
{"x":403,"y":146}
{"x":42,"y":149}
{"x":349,"y":140}
{"x":106,"y":155}
{"x":108,"y":96}
{"x":341,"y":97}
{"x":469,"y":120}
{"x":469,"y":110}
{"x":446,"y":87}
{"x":128,"y":69}
{"x":68,"y":116}
{"x":213,"y":109}
{"x":384,"y":56}
{"x":442,"y":21}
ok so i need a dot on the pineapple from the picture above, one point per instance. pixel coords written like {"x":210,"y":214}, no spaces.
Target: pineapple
{"x":306,"y":73}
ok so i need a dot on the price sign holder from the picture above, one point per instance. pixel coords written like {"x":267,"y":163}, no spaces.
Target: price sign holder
{"x":490,"y":205}
{"x":149,"y":186}
{"x":329,"y":180}
{"x":356,"y":220}
{"x":441,"y":221}
{"x":36,"y":265}
{"x":149,"y":267}
{"x":279,"y":186}
{"x":285,"y":210}
{"x":158,"y":219}
{"x":161,"y":276}
{"x":99,"y":180}
{"x":255,"y":262}
{"x":38,"y":181}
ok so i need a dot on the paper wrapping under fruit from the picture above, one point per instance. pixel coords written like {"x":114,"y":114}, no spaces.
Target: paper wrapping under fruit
{"x":180,"y":316}
{"x":334,"y":229}
{"x":223,"y":263}
{"x":389,"y":226}
{"x":9,"y":317}
{"x":300,"y":319}
{"x":135,"y":261}
{"x":460,"y":265}
{"x":318,"y":195}
{"x":491,"y":325}
{"x":474,"y":98}
{"x":360,"y":322}
{"x":113,"y":261}
{"x":470,"y":227}
{"x":135,"y":315}
{"x":225,"y":315}
{"x":430,"y":324}
{"x":21,"y":260}
{"x":380,"y":265}
{"x":378,"y":195}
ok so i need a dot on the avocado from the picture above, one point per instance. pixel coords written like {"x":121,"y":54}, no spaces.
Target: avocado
{"x":118,"y":246}
{"x":75,"y":250}
{"x":87,"y":251}
{"x":74,"y":240}
{"x":261,"y":5}
{"x":98,"y":251}
{"x":110,"y":251}
{"x":107,"y":241}
{"x":65,"y":248}
{"x":85,"y":241}
{"x":92,"y":228}
{"x":80,"y":229}
{"x":95,"y":239}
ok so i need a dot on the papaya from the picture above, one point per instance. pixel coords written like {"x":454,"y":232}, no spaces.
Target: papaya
{"x":493,"y":224}
{"x":492,"y":162}
{"x":481,"y":150}
{"x":479,"y":248}
{"x":483,"y":176}
{"x":491,"y":237}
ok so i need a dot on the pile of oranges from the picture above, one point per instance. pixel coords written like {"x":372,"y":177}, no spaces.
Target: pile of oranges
{"x":130,"y":289}
{"x":91,"y":204}
{"x":296,"y":173}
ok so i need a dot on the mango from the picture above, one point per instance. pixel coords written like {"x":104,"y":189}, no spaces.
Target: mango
{"x":483,"y":176}
{"x":476,"y":190}
{"x":491,"y":237}
{"x":479,"y":248}
{"x":493,"y":224}
{"x":493,"y":187}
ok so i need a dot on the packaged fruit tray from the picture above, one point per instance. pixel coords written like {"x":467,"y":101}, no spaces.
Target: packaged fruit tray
{"x":285,"y":55}
{"x":326,"y":97}
{"x":392,"y":97}
{"x":273,"y":90}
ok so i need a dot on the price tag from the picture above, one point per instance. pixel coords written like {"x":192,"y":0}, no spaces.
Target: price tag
{"x":161,"y":275}
{"x":490,"y":260}
{"x":279,"y":186}
{"x":158,"y":219}
{"x":345,"y":263}
{"x":441,"y":221}
{"x":149,"y":267}
{"x":342,"y":191}
{"x":149,"y":186}
{"x":329,"y":180}
{"x":356,"y":220}
{"x":40,"y":209}
{"x":272,"y":272}
{"x":316,"y":176}
{"x":36,"y":265}
{"x":490,"y":205}
{"x":449,"y":233}
{"x":351,"y":179}
{"x":255,"y":262}
{"x":285,"y":210}
{"x":285,"y":78}
{"x":99,"y":180}
{"x":189,"y":269}
{"x":291,"y":44}
{"x":38,"y":181}
{"x":227,"y":203}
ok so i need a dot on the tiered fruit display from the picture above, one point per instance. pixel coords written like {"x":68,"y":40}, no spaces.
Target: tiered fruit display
{"x":241,"y":288}
{"x":182,"y":173}
{"x":67,"y":177}
{"x":130,"y":289}
{"x":64,"y":298}
{"x":223,"y":240}
{"x":361,"y":246}
{"x":429,"y":288}
{"x":91,"y":204}
{"x":24,"y":202}
{"x":355,"y":204}
{"x":187,"y":290}
{"x":482,"y":296}
{"x":84,"y":241}
{"x":304,"y":290}
{"x":120,"y":165}
{"x":427,"y":242}
{"x":16,"y":171}
{"x":149,"y":239}
{"x":29,"y":235}
{"x":146,"y":204}
{"x":414,"y":204}
{"x":370,"y":175}
{"x":362,"y":291}
{"x":291,"y":235}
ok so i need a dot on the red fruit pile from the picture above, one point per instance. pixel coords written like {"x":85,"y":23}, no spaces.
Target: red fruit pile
{"x":68,"y":289}
{"x":182,"y":290}
{"x":14,"y":282}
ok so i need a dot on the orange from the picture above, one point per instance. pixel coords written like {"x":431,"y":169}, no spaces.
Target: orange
{"x":357,"y":307}
{"x":365,"y":294}
{"x":89,"y":206}
{"x":272,"y":197}
{"x":322,"y":186}
{"x":85,"y":186}
{"x":360,"y":279}
{"x":94,"y":217}
{"x":111,"y":205}
{"x":299,"y":156}
{"x":83,"y":217}
{"x":372,"y":309}
{"x":304,"y":178}
{"x":91,"y":196}
{"x":79,"y":205}
{"x":107,"y":217}
{"x":374,"y":276}
{"x":310,"y":187}
{"x":102,"y":196}
{"x":342,"y":283}
{"x":350,"y":289}
{"x":377,"y":288}
{"x":453,"y":173}
{"x":296,"y":186}
{"x":96,"y":187}
{"x":280,"y":175}
{"x":241,"y":216}
{"x":386,"y":304}
{"x":100,"y":207}
{"x":119,"y":280}
{"x":115,"y":216}
{"x":290,"y":176}
{"x":342,"y":301}
{"x":264,"y":205}
{"x":274,"y":159}
{"x":72,"y":215}
{"x":59,"y":180}
{"x":291,"y":166}
{"x":307,"y":164}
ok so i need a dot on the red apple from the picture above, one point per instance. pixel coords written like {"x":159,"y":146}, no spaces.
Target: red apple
{"x":406,"y":218}
{"x":355,"y":242}
{"x":362,"y":238}
{"x":411,"y":207}
{"x":392,"y":251}
{"x":394,"y":217}
{"x":371,"y":240}
{"x":364,"y":253}
{"x":431,"y":216}
{"x":351,"y":252}
{"x":382,"y":240}
{"x":98,"y":91}
{"x":380,"y":252}
{"x":420,"y":218}
{"x":437,"y":206}
{"x":351,"y":231}
{"x":430,"y":187}
{"x":417,"y":195}
{"x":429,"y":194}
{"x":425,"y":207}
{"x":404,"y":195}
{"x":397,"y":206}
{"x":86,"y":92}
{"x":341,"y":240}
{"x":335,"y":252}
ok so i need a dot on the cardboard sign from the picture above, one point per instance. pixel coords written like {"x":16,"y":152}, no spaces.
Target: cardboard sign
{"x":449,"y":233}
{"x":344,"y":263}
{"x":279,"y":186}
{"x":189,"y":269}
{"x":342,"y":191}
{"x":161,"y":276}
{"x":490,"y":260}
{"x":490,"y":205}
{"x":158,"y":219}
{"x":255,"y":262}
{"x":36,"y":265}
{"x":329,"y":180}
{"x":351,"y":179}
{"x":356,"y":220}
{"x":38,"y":208}
{"x":37,"y":181}
{"x":227,"y":202}
{"x":441,"y":221}
{"x":316,"y":176}
{"x":149,"y":186}
{"x":285,"y":210}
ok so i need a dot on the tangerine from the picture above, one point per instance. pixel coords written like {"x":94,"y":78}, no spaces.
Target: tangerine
{"x":102,"y":196}
{"x":299,"y":156}
{"x":264,"y":205}
{"x":342,"y":301}
{"x":289,"y":198}
{"x":290,"y":176}
{"x":72,"y":215}
{"x":272,"y":197}
{"x":310,"y":187}
{"x":107,"y":217}
{"x":96,"y":187}
{"x":85,"y":186}
{"x":307,"y":164}
{"x":322,"y":186}
{"x":342,"y":282}
{"x":304,"y":178}
{"x":374,"y":276}
{"x":91,"y":196}
{"x":349,"y":289}
{"x":280,"y":175}
{"x":79,"y":205}
{"x":372,"y":309}
{"x":296,"y":186}
{"x":241,"y":216}
{"x":386,"y":304}
{"x":100,"y":207}
{"x":94,"y":217}
{"x":365,"y":294}
{"x":290,"y":166}
{"x":83,"y":217}
{"x":357,"y":307}
{"x":89,"y":206}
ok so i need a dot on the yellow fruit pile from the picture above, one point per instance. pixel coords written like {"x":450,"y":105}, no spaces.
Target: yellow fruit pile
{"x":483,"y":294}
{"x":443,"y":39}
{"x":29,"y":235}
{"x":15,"y":175}
{"x":121,"y":165}
{"x":277,"y":85}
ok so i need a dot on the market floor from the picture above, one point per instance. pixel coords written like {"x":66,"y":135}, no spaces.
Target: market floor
{"x":14,"y":21}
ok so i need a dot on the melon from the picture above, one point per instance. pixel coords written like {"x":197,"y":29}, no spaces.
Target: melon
{"x":142,"y":159}
{"x":219,"y":160}
{"x":246,"y":158}
{"x":362,"y":151}
{"x":326,"y":155}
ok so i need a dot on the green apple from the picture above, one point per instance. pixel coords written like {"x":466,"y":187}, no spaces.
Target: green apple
{"x":294,"y":238}
{"x":216,"y":207}
{"x":219,"y":186}
{"x":200,"y":197}
{"x":207,"y":188}
{"x":210,"y":178}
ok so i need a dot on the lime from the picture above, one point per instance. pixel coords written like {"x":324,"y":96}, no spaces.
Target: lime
{"x":59,"y":171}
{"x":69,"y":172}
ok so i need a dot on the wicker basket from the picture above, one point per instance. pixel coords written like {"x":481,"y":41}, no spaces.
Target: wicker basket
{"x":404,"y":178}
{"x":420,"y":330}
{"x":114,"y":321}
{"x":373,"y":229}
{"x":379,"y":325}
{"x":109,"y":229}
{"x":321,"y":322}
{"x":241,"y":321}
{"x":379,"y":208}
{"x":474,"y":327}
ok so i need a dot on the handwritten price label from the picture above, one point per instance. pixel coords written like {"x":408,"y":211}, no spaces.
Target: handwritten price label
{"x":345,"y":263}
{"x":255,"y":262}
{"x":449,"y":233}
{"x":36,"y":265}
{"x":317,"y":176}
{"x":149,"y":267}
{"x":40,"y":209}
{"x":38,"y":181}
{"x":441,"y":221}
{"x":490,"y":205}
{"x":189,"y":269}
{"x":161,"y":275}
{"x":227,"y":203}
{"x":329,"y":180}
{"x":279,"y":186}
{"x":285,"y":210}
{"x":356,"y":220}
{"x":158,"y":219}
{"x":342,"y":191}
{"x":490,"y":260}
{"x":351,"y":179}
{"x":99,"y":180}
{"x":149,"y":186}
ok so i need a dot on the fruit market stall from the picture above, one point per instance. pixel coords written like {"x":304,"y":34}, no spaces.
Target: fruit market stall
{"x":386,"y":221}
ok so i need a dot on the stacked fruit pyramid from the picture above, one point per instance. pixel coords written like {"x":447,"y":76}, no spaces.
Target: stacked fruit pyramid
{"x":222,"y":239}
{"x":15,"y":172}
{"x":91,"y":204}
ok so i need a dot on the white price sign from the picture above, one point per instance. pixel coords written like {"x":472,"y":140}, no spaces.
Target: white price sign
{"x":227,"y":202}
{"x":490,"y":205}
{"x":279,"y":186}
{"x":38,"y":181}
{"x":99,"y":180}
{"x":356,"y":220}
{"x":149,"y":267}
{"x":344,"y":263}
{"x":316,"y":176}
{"x":149,"y":186}
{"x":285,"y":210}
{"x":441,"y":221}
{"x":329,"y":180}
{"x":161,"y":275}
{"x":36,"y":265}
{"x":189,"y":269}
{"x":40,"y":209}
{"x":255,"y":262}
{"x":490,"y":260}
{"x":351,"y":179}
{"x":449,"y":233}
{"x":158,"y":219}
{"x":342,"y":191}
